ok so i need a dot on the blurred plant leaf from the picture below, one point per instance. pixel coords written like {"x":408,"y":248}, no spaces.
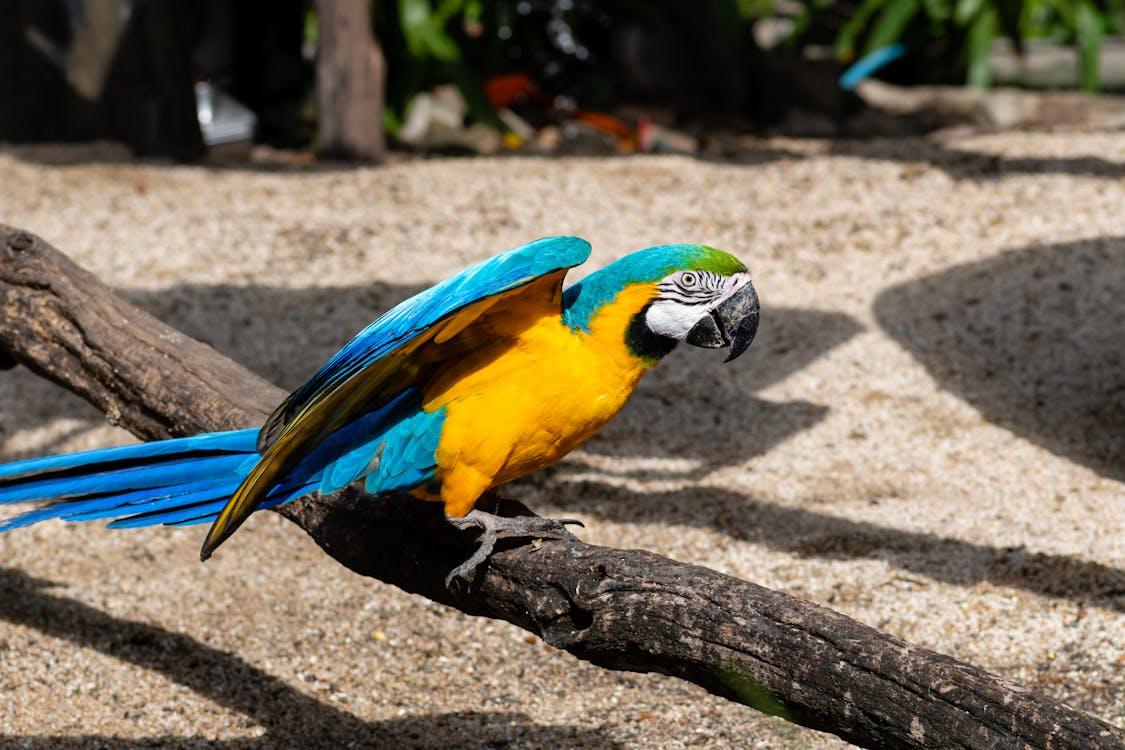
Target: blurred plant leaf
{"x":965,"y":10}
{"x":938,"y":10}
{"x":982,"y":30}
{"x":424,"y":30}
{"x":889,"y":26}
{"x":849,"y":33}
{"x":1088,"y":30}
{"x":1008,"y":17}
{"x":391,"y":121}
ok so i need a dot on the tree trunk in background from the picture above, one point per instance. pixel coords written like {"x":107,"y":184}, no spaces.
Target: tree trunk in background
{"x":350,"y":75}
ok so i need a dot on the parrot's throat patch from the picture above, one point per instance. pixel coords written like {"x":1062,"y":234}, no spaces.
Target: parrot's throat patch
{"x":643,"y":343}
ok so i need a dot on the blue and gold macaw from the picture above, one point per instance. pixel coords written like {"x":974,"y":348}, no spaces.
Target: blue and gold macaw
{"x":484,"y":378}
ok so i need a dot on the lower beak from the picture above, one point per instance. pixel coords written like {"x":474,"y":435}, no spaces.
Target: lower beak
{"x":732,"y":323}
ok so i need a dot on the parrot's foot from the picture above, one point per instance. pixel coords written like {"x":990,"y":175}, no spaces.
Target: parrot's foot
{"x":493,"y":527}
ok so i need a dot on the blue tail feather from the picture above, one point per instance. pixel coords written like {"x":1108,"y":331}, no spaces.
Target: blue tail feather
{"x":204,"y":511}
{"x":238,"y":441}
{"x":164,"y":474}
{"x":189,"y":480}
{"x":142,"y":482}
{"x":111,"y":504}
{"x":174,"y":497}
{"x":207,"y":509}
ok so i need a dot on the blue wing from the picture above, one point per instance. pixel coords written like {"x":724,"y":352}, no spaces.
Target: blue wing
{"x":420,"y":313}
{"x":378,"y":364}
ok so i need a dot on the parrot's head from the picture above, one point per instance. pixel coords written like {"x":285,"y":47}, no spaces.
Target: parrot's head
{"x":691,"y":293}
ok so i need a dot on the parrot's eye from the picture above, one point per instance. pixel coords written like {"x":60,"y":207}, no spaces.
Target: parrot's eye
{"x":688,"y":280}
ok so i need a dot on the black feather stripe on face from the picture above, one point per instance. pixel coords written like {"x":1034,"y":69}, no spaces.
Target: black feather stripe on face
{"x":692,"y":287}
{"x":642,"y":342}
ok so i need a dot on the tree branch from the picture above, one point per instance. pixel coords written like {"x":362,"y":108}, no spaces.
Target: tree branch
{"x":621,"y":609}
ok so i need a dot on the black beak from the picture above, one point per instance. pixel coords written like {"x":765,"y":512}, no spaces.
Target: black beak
{"x":733,"y":323}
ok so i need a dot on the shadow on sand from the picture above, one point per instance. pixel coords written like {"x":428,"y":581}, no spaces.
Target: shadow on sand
{"x":966,"y":164}
{"x":1033,"y":338}
{"x":290,"y":718}
{"x":810,"y":534}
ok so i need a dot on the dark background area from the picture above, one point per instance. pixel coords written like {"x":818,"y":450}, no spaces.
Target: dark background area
{"x":125,"y":69}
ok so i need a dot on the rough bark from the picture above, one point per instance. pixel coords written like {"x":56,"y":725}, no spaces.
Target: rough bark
{"x":350,"y":74}
{"x":621,"y":609}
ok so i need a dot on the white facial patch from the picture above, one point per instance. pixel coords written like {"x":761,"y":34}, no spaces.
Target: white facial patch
{"x":667,"y":317}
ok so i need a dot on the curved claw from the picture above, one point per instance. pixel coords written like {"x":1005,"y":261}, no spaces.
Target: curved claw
{"x":494,"y":526}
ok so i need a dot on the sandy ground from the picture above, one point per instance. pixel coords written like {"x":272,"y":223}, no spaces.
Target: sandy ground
{"x":928,"y":435}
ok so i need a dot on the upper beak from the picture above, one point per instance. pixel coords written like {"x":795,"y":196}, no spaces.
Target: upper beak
{"x":733,"y":323}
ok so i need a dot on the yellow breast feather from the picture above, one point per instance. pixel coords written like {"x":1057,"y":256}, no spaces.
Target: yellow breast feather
{"x":517,"y":406}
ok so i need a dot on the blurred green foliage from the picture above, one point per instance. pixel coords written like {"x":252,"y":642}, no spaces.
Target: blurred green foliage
{"x":978,"y":22}
{"x":572,"y":48}
{"x":423,"y":42}
{"x":951,"y":38}
{"x":427,"y":42}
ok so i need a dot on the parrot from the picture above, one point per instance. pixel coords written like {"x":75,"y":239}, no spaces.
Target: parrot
{"x":486,"y":377}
